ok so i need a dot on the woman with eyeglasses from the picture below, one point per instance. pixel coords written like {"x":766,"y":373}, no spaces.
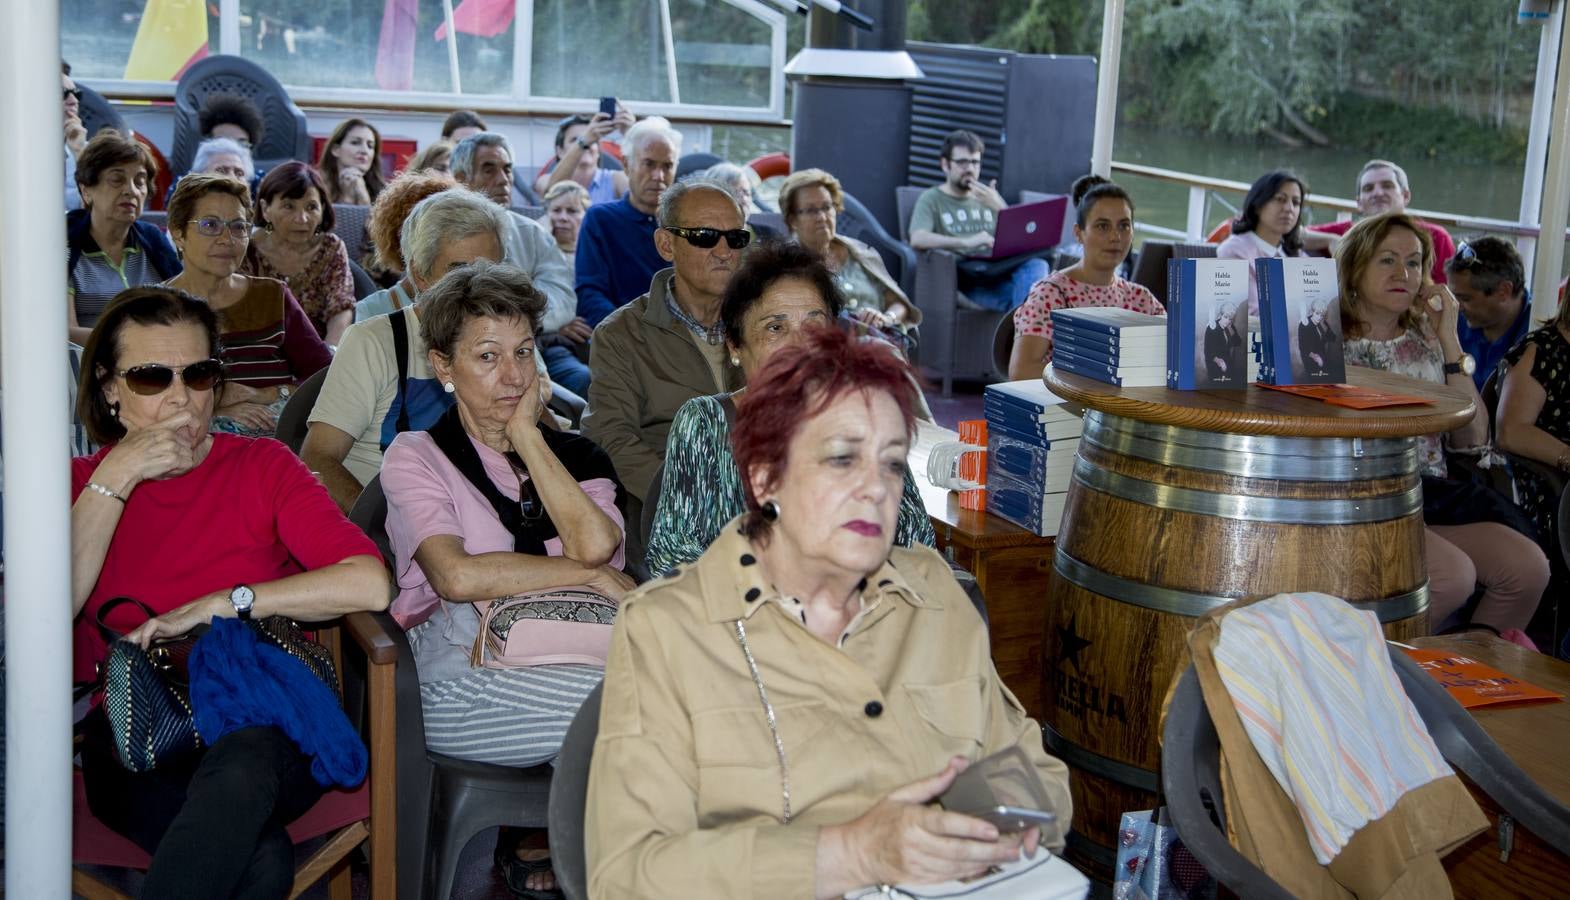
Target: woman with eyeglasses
{"x":196,"y":525}
{"x":811,"y":200}
{"x":779,"y":716}
{"x":780,"y":291}
{"x":269,"y":343}
{"x":109,"y":250}
{"x":1104,"y":228}
{"x":294,"y":243}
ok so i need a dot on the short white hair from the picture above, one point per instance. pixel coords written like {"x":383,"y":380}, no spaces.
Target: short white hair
{"x":461,"y":163}
{"x":451,"y":215}
{"x":206,"y":150}
{"x":647,"y":130}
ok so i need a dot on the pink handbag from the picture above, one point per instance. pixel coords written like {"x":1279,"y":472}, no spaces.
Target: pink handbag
{"x":561,"y":626}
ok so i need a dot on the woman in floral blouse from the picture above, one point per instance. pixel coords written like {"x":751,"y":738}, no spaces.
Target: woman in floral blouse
{"x":1396,"y":320}
{"x":1104,"y":224}
{"x":294,"y":243}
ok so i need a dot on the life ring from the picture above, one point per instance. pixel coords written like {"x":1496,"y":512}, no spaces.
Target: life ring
{"x":771,"y":165}
{"x":1220,"y":232}
{"x":162,"y":179}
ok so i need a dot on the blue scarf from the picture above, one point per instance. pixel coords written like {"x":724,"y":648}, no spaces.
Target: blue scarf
{"x":239,"y":682}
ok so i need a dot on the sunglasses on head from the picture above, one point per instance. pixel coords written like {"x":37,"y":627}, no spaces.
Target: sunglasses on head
{"x":212,"y":226}
{"x":155,"y":378}
{"x":1464,"y":251}
{"x":705,"y":238}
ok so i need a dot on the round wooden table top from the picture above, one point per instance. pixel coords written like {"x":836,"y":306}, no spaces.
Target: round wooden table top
{"x":1263,"y":411}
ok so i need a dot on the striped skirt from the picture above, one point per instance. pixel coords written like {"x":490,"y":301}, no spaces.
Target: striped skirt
{"x":511,"y":717}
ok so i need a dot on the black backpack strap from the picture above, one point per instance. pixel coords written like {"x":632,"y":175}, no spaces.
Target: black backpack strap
{"x":400,"y":331}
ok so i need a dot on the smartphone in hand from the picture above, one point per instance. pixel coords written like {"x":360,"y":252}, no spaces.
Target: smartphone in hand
{"x":1002,"y":789}
{"x":608,"y":107}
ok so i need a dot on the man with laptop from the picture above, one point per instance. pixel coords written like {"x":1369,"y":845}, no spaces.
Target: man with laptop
{"x":963,"y":215}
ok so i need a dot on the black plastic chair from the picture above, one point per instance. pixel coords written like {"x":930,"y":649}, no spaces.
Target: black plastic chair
{"x":858,"y":222}
{"x":292,"y":424}
{"x":442,"y":802}
{"x":1003,"y":346}
{"x":569,"y":795}
{"x":285,"y":136}
{"x":1191,"y":776}
{"x":349,"y":224}
{"x":695,"y":162}
{"x":364,"y":284}
{"x":97,"y":113}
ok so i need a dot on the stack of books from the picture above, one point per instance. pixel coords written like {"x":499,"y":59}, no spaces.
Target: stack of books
{"x":1032,"y":440}
{"x":1207,"y":325}
{"x":1299,"y":322}
{"x":1117,"y":346}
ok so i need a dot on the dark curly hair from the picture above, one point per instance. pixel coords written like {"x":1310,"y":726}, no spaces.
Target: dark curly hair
{"x":765,"y":264}
{"x":226,"y":109}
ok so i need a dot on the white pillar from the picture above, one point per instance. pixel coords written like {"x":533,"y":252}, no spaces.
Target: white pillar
{"x":452,"y":48}
{"x":1537,"y":138}
{"x":1556,"y":192}
{"x":1107,"y":87}
{"x":37,"y":473}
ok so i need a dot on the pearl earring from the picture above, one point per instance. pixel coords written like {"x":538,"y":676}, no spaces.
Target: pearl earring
{"x":735,"y":361}
{"x":448,"y":387}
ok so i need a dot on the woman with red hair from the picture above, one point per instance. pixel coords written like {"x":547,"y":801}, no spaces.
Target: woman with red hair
{"x":778,"y":715}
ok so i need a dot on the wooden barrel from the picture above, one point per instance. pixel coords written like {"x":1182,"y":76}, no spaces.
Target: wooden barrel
{"x":1164,"y":523}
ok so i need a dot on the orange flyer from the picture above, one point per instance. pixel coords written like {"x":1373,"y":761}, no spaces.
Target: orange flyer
{"x":1347,"y":395}
{"x":1473,"y":684}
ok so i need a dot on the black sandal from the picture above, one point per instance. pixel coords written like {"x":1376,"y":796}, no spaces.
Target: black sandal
{"x":516,"y":872}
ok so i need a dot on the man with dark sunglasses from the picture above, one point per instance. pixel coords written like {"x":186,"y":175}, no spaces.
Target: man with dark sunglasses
{"x":75,"y":134}
{"x":666,"y":347}
{"x":1489,"y":280}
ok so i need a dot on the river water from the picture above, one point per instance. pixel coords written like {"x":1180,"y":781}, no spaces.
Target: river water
{"x":1476,"y":189}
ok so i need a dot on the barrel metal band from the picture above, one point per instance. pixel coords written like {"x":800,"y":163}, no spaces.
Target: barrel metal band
{"x":1253,"y":456}
{"x":1189,"y":603}
{"x":1096,"y":764}
{"x":1282,"y":510}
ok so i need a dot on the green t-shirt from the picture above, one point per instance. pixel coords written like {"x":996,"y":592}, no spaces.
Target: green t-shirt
{"x":939,"y":213}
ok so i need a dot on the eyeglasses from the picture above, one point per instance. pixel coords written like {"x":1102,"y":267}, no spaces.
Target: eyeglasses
{"x":212,"y":226}
{"x":154,"y":378}
{"x":810,"y":211}
{"x":966,"y":163}
{"x":71,"y":92}
{"x":705,"y":238}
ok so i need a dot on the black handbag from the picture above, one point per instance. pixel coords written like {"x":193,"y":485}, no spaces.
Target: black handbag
{"x":147,"y":693}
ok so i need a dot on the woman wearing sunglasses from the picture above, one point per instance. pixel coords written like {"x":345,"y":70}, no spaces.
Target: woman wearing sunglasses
{"x":197,"y":525}
{"x":269,"y":343}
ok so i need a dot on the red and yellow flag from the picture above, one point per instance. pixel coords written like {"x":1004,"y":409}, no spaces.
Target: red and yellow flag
{"x":172,"y":36}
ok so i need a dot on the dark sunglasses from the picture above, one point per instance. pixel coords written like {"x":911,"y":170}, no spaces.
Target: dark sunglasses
{"x":154,"y":378}
{"x":71,"y":92}
{"x":705,"y":238}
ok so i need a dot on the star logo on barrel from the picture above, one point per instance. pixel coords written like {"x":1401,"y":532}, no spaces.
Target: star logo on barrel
{"x":1070,"y":643}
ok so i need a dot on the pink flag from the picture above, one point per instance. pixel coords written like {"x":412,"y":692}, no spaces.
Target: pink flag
{"x":483,"y":18}
{"x":395,"y":50}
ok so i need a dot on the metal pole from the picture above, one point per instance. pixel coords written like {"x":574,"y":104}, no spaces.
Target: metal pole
{"x":229,"y":27}
{"x":37,"y":466}
{"x":1107,"y":87}
{"x":1537,"y":138}
{"x":452,"y":46}
{"x":670,"y":50}
{"x":1556,"y":192}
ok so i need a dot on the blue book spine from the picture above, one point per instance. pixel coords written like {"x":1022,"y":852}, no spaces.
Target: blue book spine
{"x":1174,"y":317}
{"x":1023,"y":461}
{"x":1096,"y":354}
{"x":1024,"y":437}
{"x":1183,"y":325}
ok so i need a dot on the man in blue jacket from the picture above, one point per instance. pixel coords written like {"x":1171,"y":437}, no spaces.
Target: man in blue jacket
{"x":616,"y":255}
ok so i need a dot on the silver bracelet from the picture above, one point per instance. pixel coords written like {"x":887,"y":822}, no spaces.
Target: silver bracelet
{"x":100,"y":489}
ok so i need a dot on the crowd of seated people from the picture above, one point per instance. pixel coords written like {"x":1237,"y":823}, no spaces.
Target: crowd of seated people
{"x":715,"y":378}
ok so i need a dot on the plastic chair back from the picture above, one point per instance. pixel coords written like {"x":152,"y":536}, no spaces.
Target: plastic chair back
{"x":284,"y":135}
{"x":1150,"y":269}
{"x":97,"y":113}
{"x":1003,"y":345}
{"x":858,"y":222}
{"x":349,"y":224}
{"x":569,"y":793}
{"x":905,"y":198}
{"x":292,"y":424}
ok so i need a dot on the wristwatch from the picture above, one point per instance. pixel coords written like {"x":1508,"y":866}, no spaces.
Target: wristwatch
{"x":284,"y":393}
{"x":1466,"y":365}
{"x":582,"y":144}
{"x":243,"y":599}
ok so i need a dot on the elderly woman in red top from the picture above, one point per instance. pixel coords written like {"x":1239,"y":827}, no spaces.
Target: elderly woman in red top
{"x":197,"y":525}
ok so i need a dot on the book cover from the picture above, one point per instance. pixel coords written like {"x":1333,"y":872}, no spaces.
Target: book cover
{"x":1032,"y":393}
{"x":1300,"y":320}
{"x":1473,"y":684}
{"x":1215,"y":310}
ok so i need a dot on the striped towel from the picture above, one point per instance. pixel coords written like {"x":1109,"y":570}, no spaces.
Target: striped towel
{"x":1312,"y":683}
